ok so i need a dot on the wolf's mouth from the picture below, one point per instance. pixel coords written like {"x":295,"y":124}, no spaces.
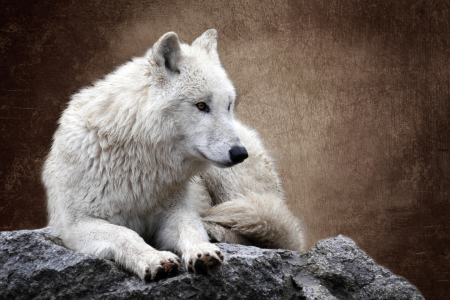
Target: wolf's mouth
{"x":223,"y":165}
{"x":217,"y":163}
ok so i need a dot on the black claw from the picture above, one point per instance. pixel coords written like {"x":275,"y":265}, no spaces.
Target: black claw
{"x":218,"y":252}
{"x":200,"y":267}
{"x":221,"y":257}
{"x":213,"y":262}
{"x":214,"y":265}
{"x":160,"y":274}
{"x":190,"y":269}
{"x":174,"y":270}
{"x":171,"y":260}
{"x":199,"y":255}
{"x":161,"y":261}
{"x":190,"y":261}
{"x":207,"y":253}
{"x":148,"y":278}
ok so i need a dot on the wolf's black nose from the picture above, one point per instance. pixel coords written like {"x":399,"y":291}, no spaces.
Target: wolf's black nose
{"x":238,"y":154}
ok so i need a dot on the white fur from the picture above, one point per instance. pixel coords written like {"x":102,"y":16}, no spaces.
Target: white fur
{"x":245,"y":204}
{"x":124,"y":152}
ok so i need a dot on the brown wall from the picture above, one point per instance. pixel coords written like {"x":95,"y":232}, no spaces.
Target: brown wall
{"x":352,"y":99}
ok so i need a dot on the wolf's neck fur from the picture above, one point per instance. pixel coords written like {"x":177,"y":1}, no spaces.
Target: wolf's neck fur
{"x":126,"y":134}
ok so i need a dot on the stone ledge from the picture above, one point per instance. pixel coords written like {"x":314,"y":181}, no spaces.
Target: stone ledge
{"x":34,"y":264}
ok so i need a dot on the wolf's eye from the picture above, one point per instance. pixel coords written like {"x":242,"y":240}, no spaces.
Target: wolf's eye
{"x":202,"y":106}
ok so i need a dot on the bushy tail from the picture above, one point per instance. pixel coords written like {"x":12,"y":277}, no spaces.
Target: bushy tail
{"x":264,"y":219}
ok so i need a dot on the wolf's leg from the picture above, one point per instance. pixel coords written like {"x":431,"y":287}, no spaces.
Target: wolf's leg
{"x":126,"y":247}
{"x":183,"y":232}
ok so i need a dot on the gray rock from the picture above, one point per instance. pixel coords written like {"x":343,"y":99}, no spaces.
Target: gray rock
{"x":35,"y":265}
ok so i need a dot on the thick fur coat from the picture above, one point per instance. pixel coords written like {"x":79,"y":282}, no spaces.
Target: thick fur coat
{"x":125,"y":149}
{"x":119,"y":176}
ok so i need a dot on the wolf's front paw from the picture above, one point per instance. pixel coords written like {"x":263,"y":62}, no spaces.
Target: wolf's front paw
{"x":205,"y":258}
{"x":156,"y":265}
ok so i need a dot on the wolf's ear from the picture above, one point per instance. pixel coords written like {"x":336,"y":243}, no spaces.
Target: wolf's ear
{"x":208,"y":41}
{"x":166,"y":51}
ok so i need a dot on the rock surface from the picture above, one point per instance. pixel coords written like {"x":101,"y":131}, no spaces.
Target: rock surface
{"x":35,"y":265}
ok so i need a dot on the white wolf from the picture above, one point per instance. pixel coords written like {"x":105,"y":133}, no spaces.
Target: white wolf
{"x":245,"y":204}
{"x":119,"y":168}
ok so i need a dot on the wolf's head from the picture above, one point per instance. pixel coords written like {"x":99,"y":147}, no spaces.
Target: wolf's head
{"x":198,"y":98}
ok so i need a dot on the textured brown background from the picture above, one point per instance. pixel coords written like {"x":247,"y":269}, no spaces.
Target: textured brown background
{"x":351,"y":97}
